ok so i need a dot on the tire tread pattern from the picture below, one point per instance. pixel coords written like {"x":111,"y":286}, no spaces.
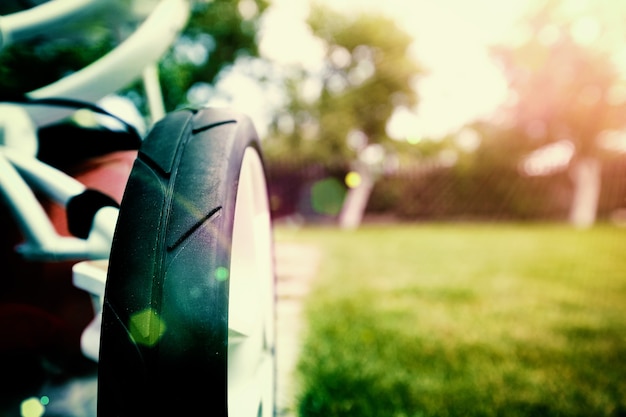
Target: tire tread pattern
{"x":165,"y":316}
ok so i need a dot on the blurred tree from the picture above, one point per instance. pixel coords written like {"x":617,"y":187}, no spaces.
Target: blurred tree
{"x":568,"y":87}
{"x":218,"y":32}
{"x":339,"y":115}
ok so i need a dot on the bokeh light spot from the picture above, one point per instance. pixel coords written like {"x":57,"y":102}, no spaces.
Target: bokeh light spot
{"x":146,"y":327}
{"x":221,"y":273}
{"x":45,"y":400}
{"x":353,"y":179}
{"x":414,"y":140}
{"x":32,"y":407}
{"x":327,"y":196}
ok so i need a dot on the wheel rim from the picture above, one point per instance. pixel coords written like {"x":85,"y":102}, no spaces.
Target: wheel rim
{"x":251,"y":357}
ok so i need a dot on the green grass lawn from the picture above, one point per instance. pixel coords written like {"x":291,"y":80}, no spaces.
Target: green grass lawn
{"x":465,"y":320}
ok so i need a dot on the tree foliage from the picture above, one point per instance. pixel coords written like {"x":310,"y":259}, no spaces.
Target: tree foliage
{"x":564,"y":76}
{"x":366,"y":74}
{"x":569,"y":88}
{"x":219,"y":33}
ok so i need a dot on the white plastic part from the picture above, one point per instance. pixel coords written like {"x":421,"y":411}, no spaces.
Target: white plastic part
{"x":18,"y":131}
{"x":124,"y":109}
{"x":154,"y":94}
{"x":30,"y":216}
{"x":91,"y":277}
{"x":56,"y":184}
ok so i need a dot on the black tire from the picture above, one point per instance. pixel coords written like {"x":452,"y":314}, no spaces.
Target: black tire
{"x":165,"y":328}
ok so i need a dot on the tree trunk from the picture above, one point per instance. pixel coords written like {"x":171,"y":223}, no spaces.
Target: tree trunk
{"x":586,"y":177}
{"x":356,"y":201}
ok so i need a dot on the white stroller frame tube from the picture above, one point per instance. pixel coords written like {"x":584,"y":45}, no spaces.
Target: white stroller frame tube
{"x":119,"y":67}
{"x":42,"y":240}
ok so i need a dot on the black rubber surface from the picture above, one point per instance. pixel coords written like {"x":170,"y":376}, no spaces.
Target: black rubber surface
{"x":165,"y":318}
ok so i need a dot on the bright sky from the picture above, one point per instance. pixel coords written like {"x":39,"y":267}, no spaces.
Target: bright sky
{"x":450,"y":41}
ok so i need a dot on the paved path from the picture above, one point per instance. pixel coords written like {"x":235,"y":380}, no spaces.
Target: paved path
{"x":296,"y":266}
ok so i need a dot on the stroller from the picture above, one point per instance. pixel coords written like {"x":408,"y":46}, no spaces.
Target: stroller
{"x":137,"y":267}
